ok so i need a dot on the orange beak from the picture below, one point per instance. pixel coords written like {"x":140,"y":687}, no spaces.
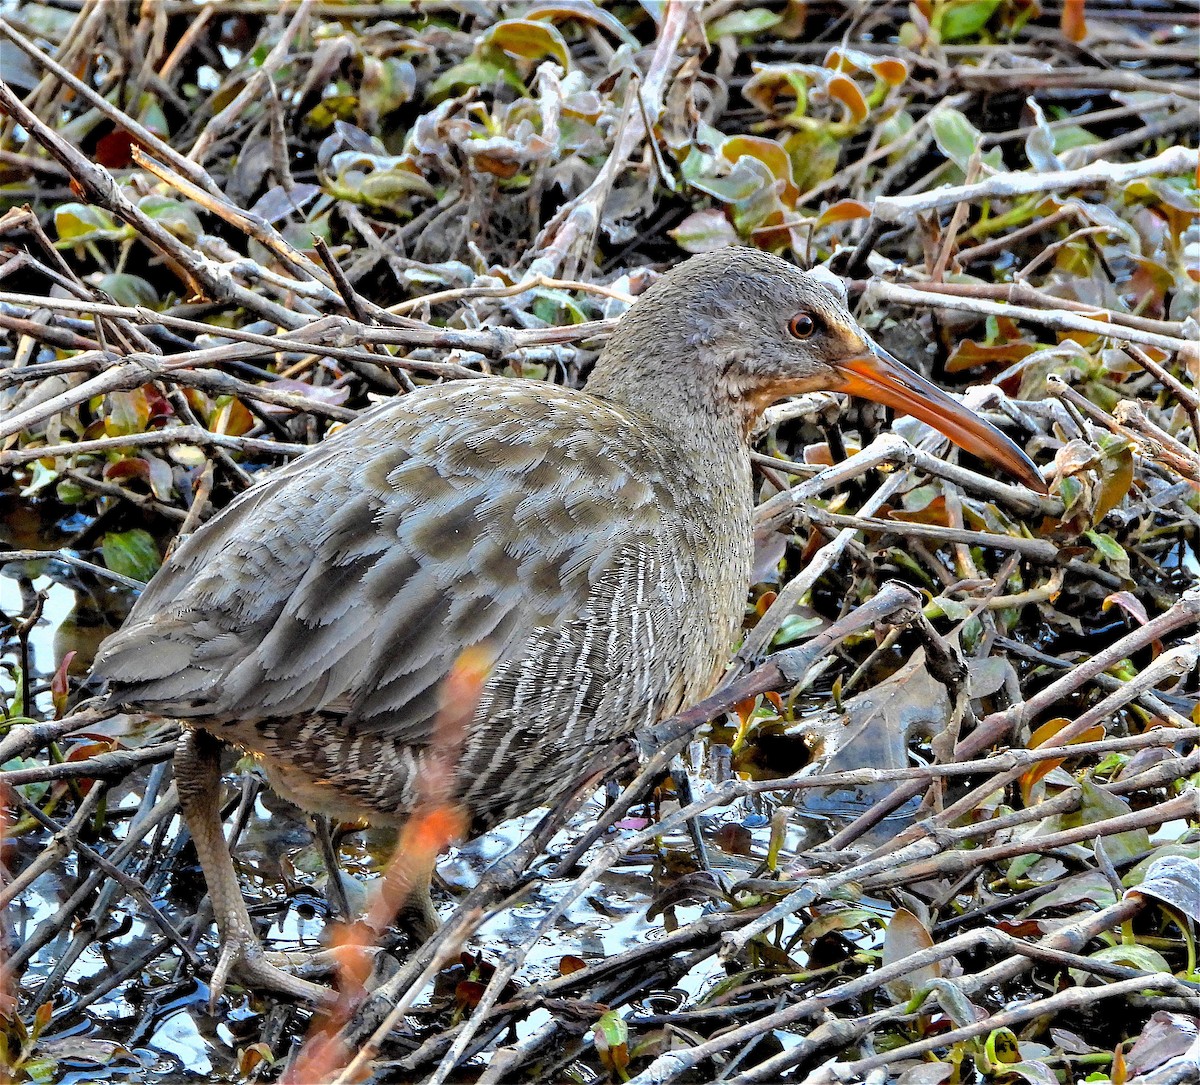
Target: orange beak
{"x":881,"y":378}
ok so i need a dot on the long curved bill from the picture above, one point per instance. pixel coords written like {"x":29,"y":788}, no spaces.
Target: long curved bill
{"x":880,"y":377}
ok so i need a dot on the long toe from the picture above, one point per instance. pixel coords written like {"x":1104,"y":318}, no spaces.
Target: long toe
{"x":243,"y":961}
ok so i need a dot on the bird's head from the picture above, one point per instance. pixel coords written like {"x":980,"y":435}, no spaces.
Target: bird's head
{"x":740,"y":329}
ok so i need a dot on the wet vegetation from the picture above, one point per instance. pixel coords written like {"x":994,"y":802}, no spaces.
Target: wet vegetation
{"x":940,"y":822}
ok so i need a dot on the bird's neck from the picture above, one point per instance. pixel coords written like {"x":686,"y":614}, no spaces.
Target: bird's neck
{"x":688,"y":409}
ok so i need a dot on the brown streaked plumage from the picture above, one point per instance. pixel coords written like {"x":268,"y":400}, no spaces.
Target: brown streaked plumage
{"x":598,"y":542}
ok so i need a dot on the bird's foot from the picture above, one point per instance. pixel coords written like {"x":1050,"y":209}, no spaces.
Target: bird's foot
{"x":243,"y":959}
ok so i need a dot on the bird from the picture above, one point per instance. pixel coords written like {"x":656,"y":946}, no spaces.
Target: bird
{"x":595,"y":542}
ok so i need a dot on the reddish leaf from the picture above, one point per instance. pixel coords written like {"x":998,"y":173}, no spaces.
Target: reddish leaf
{"x":843,"y":211}
{"x":59,"y":686}
{"x":113,"y":150}
{"x":1044,"y":736}
{"x":1073,"y":26}
{"x":1129,"y":603}
{"x":570,"y":963}
{"x":846,"y":91}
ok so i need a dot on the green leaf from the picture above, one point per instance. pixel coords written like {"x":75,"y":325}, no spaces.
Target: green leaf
{"x":40,"y":478}
{"x":703,"y":231}
{"x":962,"y":18}
{"x":1099,"y":805}
{"x":1111,"y":551}
{"x":955,"y":136}
{"x":793,"y":627}
{"x":127,"y":289}
{"x":77,"y":223}
{"x":1133,"y":955}
{"x":472,"y":72}
{"x":841,"y":919}
{"x":172,"y":216}
{"x":586,"y":12}
{"x":529,"y":40}
{"x":611,"y":1038}
{"x":386,"y":85}
{"x":815,"y":155}
{"x":714,"y":176}
{"x":70,"y":492}
{"x":131,"y":553}
{"x":746,"y":21}
{"x":1107,"y":545}
{"x":1070,"y":489}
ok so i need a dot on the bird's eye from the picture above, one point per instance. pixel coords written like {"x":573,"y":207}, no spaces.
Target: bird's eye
{"x":802,"y":326}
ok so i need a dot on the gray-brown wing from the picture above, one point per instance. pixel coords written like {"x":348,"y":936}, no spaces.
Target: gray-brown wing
{"x":350,"y":581}
{"x":574,"y":687}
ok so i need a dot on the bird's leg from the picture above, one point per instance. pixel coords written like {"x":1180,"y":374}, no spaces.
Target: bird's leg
{"x":198,"y":780}
{"x":417,"y":914}
{"x":335,"y":893}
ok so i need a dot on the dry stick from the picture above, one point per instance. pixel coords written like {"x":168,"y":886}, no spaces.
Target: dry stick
{"x":755,"y":644}
{"x":1007,"y":242}
{"x":139,"y":369}
{"x":127,"y":882}
{"x":143,"y":822}
{"x":885,"y":866}
{"x":890,"y":448}
{"x":465,"y":293}
{"x":328,"y":331}
{"x":121,"y":119}
{"x":248,"y":223}
{"x":101,"y":188}
{"x":23,"y":738}
{"x":1034,"y":549}
{"x":997,"y":726}
{"x":312,"y":337}
{"x":932,"y":296}
{"x":1151,"y":441}
{"x":673,"y":1064}
{"x":1186,"y":396}
{"x":1074,"y":998}
{"x":851,"y":871}
{"x":576,"y":220}
{"x":254,"y":85}
{"x":175,"y":435}
{"x":950,"y":863}
{"x":1050,"y":251}
{"x":357,"y":306}
{"x":121,"y":493}
{"x":55,"y":851}
{"x":1021,"y":293}
{"x":594,"y":977}
{"x":1130,"y":415}
{"x":957,"y":218}
{"x":69,"y":558}
{"x":117,"y":763}
{"x":728,"y":791}
{"x":902,"y":209}
{"x":1075,"y":79}
{"x":847,"y":868}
